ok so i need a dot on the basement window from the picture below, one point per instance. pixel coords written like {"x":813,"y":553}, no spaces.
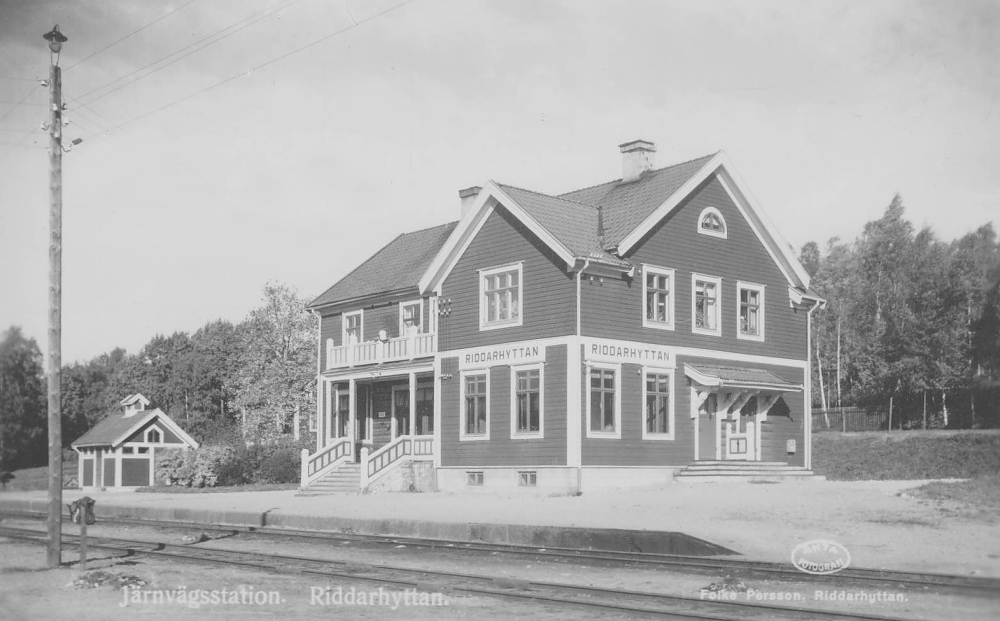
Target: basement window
{"x":474,"y":479}
{"x":527,"y":478}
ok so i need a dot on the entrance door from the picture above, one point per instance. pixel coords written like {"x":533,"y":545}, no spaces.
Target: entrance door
{"x":737,"y":437}
{"x":400,"y":411}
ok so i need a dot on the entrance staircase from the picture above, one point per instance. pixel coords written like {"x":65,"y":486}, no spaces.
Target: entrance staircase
{"x":346,"y":478}
{"x":745,"y":471}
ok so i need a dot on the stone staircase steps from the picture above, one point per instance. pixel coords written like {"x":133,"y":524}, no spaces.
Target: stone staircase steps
{"x":744,"y":471}
{"x":346,"y":478}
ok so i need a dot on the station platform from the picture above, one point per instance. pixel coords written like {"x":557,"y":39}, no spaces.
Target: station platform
{"x":878,"y":522}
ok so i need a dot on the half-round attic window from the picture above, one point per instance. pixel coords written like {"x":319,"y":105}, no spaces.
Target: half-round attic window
{"x":711,"y":222}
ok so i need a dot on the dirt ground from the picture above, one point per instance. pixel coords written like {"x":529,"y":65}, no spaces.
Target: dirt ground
{"x":29,"y":592}
{"x":877,"y":521}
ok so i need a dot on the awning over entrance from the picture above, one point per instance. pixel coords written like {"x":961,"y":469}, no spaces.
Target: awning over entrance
{"x":738,"y":378}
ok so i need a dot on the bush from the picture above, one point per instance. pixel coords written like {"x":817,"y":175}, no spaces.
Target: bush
{"x":192,"y":468}
{"x":282,"y":466}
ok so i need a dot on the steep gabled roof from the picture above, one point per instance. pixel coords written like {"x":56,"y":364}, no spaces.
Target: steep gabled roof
{"x":116,"y":428}
{"x":398,"y":266}
{"x":599,"y":224}
{"x":625,"y":205}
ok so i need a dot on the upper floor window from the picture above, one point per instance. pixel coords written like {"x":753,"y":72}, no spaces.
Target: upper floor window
{"x":711,"y":222}
{"x":353,"y":325}
{"x":500,"y":297}
{"x":705,"y":304}
{"x":751,"y":311}
{"x":411,"y":315}
{"x":153,"y":436}
{"x":657,"y":290}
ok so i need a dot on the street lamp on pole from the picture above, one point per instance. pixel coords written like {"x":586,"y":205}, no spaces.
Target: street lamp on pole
{"x":55,"y":39}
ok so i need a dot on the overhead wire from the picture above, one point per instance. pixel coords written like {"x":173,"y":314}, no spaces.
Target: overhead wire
{"x":355,"y":24}
{"x":133,"y":33}
{"x":221,"y":34}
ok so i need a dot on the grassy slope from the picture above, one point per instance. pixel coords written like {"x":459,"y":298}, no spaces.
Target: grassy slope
{"x":38,"y":478}
{"x":906,"y":455}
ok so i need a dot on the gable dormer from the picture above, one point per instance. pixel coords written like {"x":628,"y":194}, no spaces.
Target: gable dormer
{"x":134,"y":404}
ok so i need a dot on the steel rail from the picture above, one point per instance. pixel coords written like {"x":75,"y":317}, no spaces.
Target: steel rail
{"x":708,"y":565}
{"x":620,"y":600}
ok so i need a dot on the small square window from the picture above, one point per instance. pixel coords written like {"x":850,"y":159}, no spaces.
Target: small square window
{"x":705,"y":304}
{"x":527,"y":478}
{"x":500,"y":297}
{"x":657,"y":288}
{"x":128,"y":450}
{"x":474,"y":479}
{"x":143,"y":450}
{"x":353,"y":327}
{"x":750,"y":317}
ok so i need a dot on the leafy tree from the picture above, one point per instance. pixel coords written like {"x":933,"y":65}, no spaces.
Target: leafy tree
{"x":277,"y":372}
{"x":23,"y":408}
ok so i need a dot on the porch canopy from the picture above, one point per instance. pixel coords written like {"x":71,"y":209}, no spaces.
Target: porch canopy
{"x":735,"y":386}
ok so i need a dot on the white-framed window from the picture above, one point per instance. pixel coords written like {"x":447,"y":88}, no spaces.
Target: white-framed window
{"x":411,"y":317}
{"x":527,"y":401}
{"x":474,"y":479}
{"x":658,"y":404}
{"x":658,"y":294}
{"x":750,"y":311}
{"x":153,"y":435}
{"x":711,"y":222}
{"x":706,"y":304}
{"x":604,"y":402}
{"x":501,"y":297}
{"x":353,"y":328}
{"x":527,"y":478}
{"x":475,"y":397}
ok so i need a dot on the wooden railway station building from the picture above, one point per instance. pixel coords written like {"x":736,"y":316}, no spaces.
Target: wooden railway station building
{"x":609,"y":336}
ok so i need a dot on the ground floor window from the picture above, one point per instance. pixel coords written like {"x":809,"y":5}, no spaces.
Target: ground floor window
{"x":603,"y":402}
{"x":475,"y":406}
{"x":527,"y":406}
{"x":659,"y":406}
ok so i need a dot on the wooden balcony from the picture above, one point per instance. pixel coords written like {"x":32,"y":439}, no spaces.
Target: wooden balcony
{"x":373,"y":352}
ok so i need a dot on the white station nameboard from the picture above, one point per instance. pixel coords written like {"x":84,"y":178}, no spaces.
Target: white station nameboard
{"x":627,"y":352}
{"x":501,"y":354}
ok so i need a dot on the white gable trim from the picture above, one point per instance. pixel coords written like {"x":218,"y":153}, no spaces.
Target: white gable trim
{"x":458,"y":242}
{"x":720,"y":165}
{"x":164,"y":420}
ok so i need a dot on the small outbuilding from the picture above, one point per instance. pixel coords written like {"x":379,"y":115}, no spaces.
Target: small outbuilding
{"x":120,"y":450}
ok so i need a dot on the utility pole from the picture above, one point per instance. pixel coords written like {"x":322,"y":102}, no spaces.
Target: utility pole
{"x":55,"y":39}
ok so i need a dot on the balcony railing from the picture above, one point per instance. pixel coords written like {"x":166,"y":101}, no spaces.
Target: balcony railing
{"x":370,"y":352}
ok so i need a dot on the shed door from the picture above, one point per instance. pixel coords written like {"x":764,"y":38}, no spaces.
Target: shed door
{"x":135,"y":471}
{"x":88,"y":472}
{"x":109,"y":472}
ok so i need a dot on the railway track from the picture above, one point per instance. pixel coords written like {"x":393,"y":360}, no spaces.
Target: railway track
{"x":557,"y":594}
{"x":934,"y":582}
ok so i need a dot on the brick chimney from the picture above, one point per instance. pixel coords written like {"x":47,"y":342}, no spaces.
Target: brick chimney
{"x":638,"y":156}
{"x":468,"y":197}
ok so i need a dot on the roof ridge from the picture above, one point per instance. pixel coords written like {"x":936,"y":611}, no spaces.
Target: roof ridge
{"x":375,"y":254}
{"x":655,"y":170}
{"x":356,"y":268}
{"x":567,"y":200}
{"x":429,"y":228}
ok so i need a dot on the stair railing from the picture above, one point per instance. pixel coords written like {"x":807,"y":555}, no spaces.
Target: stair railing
{"x":325,"y":460}
{"x":390,"y":456}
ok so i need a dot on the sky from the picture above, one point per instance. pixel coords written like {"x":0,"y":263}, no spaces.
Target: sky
{"x":229,"y":143}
